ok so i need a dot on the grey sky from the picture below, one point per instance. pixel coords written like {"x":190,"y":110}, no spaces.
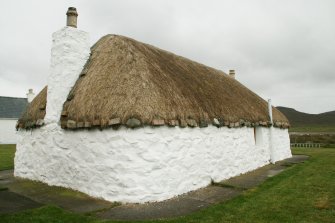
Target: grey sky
{"x":283,"y":50}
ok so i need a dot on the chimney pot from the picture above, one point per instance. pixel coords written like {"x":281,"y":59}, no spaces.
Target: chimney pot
{"x":72,"y":15}
{"x":232,"y":74}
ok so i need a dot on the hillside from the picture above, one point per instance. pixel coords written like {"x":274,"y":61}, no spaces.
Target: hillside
{"x":300,"y":121}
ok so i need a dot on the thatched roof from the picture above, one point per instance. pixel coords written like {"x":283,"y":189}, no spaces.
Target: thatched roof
{"x":35,"y":111}
{"x":126,"y":82}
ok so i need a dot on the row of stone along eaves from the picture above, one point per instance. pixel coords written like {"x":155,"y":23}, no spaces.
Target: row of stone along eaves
{"x":136,"y":123}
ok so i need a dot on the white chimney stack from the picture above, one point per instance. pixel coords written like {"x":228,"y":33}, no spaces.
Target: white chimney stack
{"x":270,"y":110}
{"x":30,"y":95}
{"x":232,"y":74}
{"x":69,"y":53}
{"x":272,"y":152}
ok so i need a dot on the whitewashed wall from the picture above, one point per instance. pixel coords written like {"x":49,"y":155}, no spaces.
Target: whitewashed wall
{"x":69,"y":53}
{"x":281,"y":144}
{"x":145,"y":164}
{"x":8,"y":131}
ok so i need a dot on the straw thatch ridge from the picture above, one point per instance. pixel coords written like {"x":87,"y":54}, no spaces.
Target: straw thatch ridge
{"x":126,"y":82}
{"x":34,"y":114}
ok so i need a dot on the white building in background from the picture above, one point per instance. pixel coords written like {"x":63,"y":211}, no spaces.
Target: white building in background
{"x":11,"y":109}
{"x":126,"y":121}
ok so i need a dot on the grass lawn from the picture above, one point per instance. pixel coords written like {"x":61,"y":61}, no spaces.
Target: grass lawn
{"x":302,"y":193}
{"x":7,"y":153}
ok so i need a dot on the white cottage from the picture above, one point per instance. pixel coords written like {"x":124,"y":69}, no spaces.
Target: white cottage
{"x":126,"y":121}
{"x":11,"y":109}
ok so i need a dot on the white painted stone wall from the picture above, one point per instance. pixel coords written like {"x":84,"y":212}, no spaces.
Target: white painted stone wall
{"x":281,"y":141}
{"x":144,"y":164}
{"x":8,"y":131}
{"x":69,"y":53}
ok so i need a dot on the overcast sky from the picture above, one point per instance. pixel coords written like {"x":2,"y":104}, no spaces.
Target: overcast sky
{"x":283,"y":49}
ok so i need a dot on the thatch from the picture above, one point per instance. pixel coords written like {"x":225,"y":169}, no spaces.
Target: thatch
{"x":126,"y":82}
{"x":34,"y":114}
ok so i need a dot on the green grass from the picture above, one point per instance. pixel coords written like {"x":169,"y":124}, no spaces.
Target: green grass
{"x":7,"y":153}
{"x":47,"y":214}
{"x":313,"y":128}
{"x":303,"y":193}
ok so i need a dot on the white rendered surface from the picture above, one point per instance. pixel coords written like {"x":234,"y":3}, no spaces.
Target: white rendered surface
{"x":8,"y":133}
{"x":280,"y":144}
{"x":144,"y":164}
{"x":272,"y":152}
{"x":30,"y":96}
{"x":270,"y":110}
{"x":69,"y":53}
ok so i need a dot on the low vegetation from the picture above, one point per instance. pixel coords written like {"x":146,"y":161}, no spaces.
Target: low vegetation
{"x":7,"y":153}
{"x":313,"y":128}
{"x":327,"y":140}
{"x":303,"y":193}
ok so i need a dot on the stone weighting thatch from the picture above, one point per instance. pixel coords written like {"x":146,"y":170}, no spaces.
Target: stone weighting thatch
{"x":126,"y":82}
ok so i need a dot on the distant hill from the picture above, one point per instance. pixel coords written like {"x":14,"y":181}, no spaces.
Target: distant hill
{"x":300,"y":121}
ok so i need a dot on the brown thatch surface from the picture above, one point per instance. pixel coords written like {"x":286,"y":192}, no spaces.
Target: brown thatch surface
{"x":34,"y":114}
{"x":126,"y":79}
{"x":126,"y":82}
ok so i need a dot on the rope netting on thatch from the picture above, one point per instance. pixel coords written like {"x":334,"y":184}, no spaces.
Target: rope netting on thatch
{"x":126,"y":82}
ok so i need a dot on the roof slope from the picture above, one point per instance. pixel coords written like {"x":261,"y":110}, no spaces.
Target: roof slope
{"x":12,"y":108}
{"x":35,"y":111}
{"x":126,"y":79}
